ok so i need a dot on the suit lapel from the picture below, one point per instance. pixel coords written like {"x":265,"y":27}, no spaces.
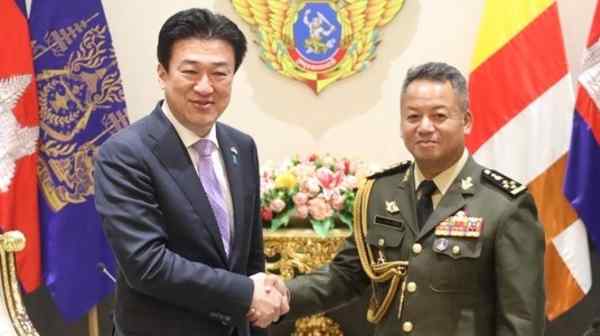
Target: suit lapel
{"x":454,"y":199}
{"x":407,"y":201}
{"x":231,"y":158}
{"x":171,"y":152}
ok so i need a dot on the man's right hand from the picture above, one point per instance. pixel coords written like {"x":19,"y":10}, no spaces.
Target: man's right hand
{"x":268,"y":303}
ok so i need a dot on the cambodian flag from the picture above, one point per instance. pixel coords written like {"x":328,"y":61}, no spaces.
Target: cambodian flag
{"x":582,"y":183}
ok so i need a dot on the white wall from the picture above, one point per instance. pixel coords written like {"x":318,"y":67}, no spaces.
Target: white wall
{"x":356,"y":117}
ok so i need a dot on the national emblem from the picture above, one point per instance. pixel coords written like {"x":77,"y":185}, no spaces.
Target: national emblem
{"x":318,"y":41}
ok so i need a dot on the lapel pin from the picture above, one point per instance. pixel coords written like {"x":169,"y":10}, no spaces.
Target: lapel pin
{"x":234,"y":157}
{"x":466,"y":183}
{"x":391,"y":207}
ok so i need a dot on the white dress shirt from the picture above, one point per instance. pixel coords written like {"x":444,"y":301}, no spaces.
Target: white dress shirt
{"x":189,"y":138}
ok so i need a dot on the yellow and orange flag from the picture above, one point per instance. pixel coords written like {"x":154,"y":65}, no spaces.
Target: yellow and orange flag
{"x":522,"y":102}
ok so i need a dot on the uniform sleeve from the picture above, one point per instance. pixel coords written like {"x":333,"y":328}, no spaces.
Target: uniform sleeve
{"x":519,"y":263}
{"x":329,"y":287}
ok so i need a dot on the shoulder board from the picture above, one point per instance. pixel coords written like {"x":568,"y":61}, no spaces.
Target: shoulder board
{"x":393,"y":169}
{"x":505,"y":184}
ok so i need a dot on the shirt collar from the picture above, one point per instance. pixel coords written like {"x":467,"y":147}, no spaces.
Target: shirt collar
{"x":188,"y":137}
{"x":444,"y":180}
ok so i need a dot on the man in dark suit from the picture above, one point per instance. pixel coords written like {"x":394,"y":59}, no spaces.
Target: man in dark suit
{"x":178,"y":192}
{"x":447,"y":246}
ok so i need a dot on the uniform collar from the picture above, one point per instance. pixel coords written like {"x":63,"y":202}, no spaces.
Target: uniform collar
{"x":444,"y":180}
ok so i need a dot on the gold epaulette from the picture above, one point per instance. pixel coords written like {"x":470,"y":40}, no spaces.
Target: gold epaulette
{"x":392,"y":169}
{"x":509,"y":186}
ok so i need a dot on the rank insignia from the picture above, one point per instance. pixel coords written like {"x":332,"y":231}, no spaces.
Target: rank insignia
{"x":460,"y":225}
{"x":317,"y":41}
{"x":506,"y":184}
{"x":391,"y":207}
{"x":466,"y":183}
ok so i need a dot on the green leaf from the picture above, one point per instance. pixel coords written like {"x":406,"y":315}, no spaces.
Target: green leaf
{"x":322,"y":227}
{"x":282,"y":219}
{"x":346,"y":219}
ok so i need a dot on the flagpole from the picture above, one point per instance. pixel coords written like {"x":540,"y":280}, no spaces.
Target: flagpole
{"x":93,"y":322}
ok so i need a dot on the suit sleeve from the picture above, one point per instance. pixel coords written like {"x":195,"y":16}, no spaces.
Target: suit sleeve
{"x":256,"y":258}
{"x":329,"y":287}
{"x":519,"y":258}
{"x":136,"y":230}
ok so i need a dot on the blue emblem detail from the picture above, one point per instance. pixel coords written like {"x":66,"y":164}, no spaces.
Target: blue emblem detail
{"x":317,"y":32}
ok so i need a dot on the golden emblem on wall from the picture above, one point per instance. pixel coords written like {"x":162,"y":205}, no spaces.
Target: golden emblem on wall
{"x":317,"y":41}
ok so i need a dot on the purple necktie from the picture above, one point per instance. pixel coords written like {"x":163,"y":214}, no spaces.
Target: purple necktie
{"x":211,"y":185}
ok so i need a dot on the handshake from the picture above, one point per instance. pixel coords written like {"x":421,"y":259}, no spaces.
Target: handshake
{"x":270,"y":299}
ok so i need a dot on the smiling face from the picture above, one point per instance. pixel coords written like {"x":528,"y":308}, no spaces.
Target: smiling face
{"x":198,"y":82}
{"x":433,"y":125}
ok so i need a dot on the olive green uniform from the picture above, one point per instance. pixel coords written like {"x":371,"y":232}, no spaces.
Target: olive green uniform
{"x":487,"y":279}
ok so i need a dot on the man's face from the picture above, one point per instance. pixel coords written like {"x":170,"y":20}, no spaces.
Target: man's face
{"x":198,"y":82}
{"x":433,"y":125}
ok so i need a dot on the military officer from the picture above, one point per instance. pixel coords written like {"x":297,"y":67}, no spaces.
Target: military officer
{"x":446,"y":246}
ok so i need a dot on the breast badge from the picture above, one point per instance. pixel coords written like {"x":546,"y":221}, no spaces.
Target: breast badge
{"x":318,"y":41}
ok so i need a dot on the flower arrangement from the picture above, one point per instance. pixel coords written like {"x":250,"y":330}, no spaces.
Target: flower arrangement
{"x":317,"y":189}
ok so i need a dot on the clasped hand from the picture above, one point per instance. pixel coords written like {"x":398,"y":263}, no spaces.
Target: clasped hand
{"x":270,"y":299}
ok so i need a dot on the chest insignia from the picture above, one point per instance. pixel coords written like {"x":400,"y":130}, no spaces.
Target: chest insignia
{"x":460,"y":225}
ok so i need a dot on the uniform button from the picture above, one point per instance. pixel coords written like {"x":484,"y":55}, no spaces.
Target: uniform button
{"x":407,"y":326}
{"x":411,"y":287}
{"x":456,"y":250}
{"x":417,"y":248}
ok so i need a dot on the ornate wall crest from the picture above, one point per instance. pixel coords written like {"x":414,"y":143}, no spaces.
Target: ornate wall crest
{"x":317,"y":41}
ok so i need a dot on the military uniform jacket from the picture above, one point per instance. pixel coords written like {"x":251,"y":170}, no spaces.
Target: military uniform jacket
{"x":489,"y":285}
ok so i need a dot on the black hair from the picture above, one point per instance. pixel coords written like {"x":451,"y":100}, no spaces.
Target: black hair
{"x":440,"y":72}
{"x":201,"y":24}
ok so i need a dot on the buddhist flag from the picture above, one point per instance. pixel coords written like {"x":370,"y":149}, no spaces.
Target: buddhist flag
{"x":582,"y":185}
{"x":18,"y":141}
{"x":522,"y":102}
{"x":81,"y":105}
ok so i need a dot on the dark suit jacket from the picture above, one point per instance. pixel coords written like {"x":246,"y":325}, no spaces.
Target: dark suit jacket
{"x":492,"y":285}
{"x":174,"y":276}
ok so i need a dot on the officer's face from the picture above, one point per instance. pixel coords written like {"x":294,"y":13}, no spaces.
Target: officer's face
{"x":198,"y":82}
{"x":433,"y":125}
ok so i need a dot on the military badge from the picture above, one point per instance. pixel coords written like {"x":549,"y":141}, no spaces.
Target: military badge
{"x":391,"y":207}
{"x":466,"y":183}
{"x":460,"y":225}
{"x":440,"y":245}
{"x":317,"y":41}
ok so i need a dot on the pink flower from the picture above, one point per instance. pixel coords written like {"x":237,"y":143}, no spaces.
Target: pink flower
{"x":350,"y":182}
{"x":313,"y":157}
{"x":311,"y":186}
{"x":329,"y":179}
{"x":277,"y":205}
{"x":325,"y":176}
{"x":301,"y":212}
{"x":319,"y":209}
{"x":337,"y":201}
{"x":300,"y":198}
{"x":266,"y":214}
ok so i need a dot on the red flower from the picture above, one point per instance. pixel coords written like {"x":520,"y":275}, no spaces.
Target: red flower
{"x":266,"y":214}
